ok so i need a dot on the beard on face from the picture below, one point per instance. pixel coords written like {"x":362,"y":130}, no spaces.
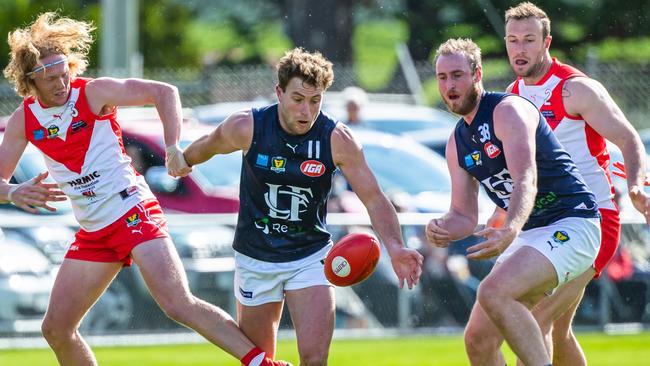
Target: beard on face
{"x":467,"y":105}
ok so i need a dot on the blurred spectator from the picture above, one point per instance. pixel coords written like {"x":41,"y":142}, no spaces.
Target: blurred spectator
{"x":355,"y":99}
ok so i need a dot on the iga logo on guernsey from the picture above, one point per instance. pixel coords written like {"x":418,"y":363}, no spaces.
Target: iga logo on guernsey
{"x":312,"y":168}
{"x":491,"y":150}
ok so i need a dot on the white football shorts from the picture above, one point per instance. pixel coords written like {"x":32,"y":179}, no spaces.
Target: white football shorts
{"x":258,"y":282}
{"x":571,"y":244}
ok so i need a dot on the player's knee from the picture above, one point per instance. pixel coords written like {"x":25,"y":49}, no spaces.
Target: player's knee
{"x":177,"y":309}
{"x":313,"y":358}
{"x":54,"y":332}
{"x":489,"y":295}
{"x":478,"y":344}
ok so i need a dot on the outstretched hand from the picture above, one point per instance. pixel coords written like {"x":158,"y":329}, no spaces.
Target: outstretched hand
{"x":36,"y":193}
{"x":407,"y":264}
{"x":641,"y":202}
{"x":436,"y":234}
{"x":639,"y":198}
{"x":497,"y":240}
{"x":175,"y":162}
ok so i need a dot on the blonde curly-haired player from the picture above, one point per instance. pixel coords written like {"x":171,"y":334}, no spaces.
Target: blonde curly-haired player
{"x":72,"y":121}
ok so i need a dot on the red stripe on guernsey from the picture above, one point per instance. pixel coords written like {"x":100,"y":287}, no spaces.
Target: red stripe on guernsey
{"x":598,"y":149}
{"x":72,"y":151}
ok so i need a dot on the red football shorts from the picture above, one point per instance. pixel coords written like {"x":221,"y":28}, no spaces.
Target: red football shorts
{"x":114,"y":243}
{"x":611,"y":230}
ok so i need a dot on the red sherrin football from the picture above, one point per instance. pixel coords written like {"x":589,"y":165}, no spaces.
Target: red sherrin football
{"x":352,"y":259}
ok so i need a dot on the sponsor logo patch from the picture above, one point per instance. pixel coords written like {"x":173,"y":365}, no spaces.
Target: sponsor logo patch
{"x":278,"y":164}
{"x":133,"y":220}
{"x":89,"y":193}
{"x":312,"y":168}
{"x":472,"y":160}
{"x":341,"y":267}
{"x":38,"y":134}
{"x":491,"y":150}
{"x":85,"y":179}
{"x":246,"y":294}
{"x":560,"y":237}
{"x":76,"y":126}
{"x":52,"y":131}
{"x":267,"y":227}
{"x":262,"y":160}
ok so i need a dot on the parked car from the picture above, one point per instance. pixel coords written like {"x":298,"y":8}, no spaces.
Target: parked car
{"x":26,"y":277}
{"x":409,"y":170}
{"x":30,"y":165}
{"x":213,"y":114}
{"x":394,"y":118}
{"x":208,"y":259}
{"x":213,"y":187}
{"x":433,"y":138}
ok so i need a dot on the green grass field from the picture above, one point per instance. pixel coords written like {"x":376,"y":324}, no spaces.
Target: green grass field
{"x":601,"y":349}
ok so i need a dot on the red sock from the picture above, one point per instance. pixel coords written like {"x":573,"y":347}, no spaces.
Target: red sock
{"x":246,"y":360}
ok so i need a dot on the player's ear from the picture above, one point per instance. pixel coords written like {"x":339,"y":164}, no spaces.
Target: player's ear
{"x":478,"y":74}
{"x":547,"y":42}
{"x":278,"y":91}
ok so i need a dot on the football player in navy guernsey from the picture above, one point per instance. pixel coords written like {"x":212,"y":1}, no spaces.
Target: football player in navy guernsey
{"x":291,"y":150}
{"x":551,"y":232}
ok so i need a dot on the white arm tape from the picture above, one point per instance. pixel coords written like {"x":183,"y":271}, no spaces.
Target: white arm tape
{"x":12,"y":189}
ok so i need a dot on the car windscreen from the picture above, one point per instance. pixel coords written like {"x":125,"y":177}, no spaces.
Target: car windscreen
{"x":219,"y":171}
{"x":397,"y":127}
{"x":400,"y":170}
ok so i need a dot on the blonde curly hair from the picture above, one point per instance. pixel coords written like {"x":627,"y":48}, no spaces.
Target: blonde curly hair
{"x":46,"y":36}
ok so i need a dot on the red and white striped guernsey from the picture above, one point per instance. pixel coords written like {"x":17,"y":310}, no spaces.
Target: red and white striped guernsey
{"x":85,"y":155}
{"x":586,"y":147}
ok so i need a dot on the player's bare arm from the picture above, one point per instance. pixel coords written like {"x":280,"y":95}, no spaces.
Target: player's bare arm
{"x":588,"y":98}
{"x":515,"y":122}
{"x":498,"y":216}
{"x":348,"y":156}
{"x":30,"y":194}
{"x":462,"y":218}
{"x":234,"y":133}
{"x":106,"y":93}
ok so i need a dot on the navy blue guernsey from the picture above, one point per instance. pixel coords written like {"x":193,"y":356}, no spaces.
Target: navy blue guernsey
{"x":285,"y":184}
{"x":561,"y":191}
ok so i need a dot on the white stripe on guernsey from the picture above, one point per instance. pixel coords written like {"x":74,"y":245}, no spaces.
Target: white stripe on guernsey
{"x":309,"y":149}
{"x":140,"y":207}
{"x":539,"y":94}
{"x":147,"y":215}
{"x":317,"y":149}
{"x":46,"y":116}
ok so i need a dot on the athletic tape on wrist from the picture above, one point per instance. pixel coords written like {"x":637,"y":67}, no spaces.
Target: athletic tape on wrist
{"x":12,"y":189}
